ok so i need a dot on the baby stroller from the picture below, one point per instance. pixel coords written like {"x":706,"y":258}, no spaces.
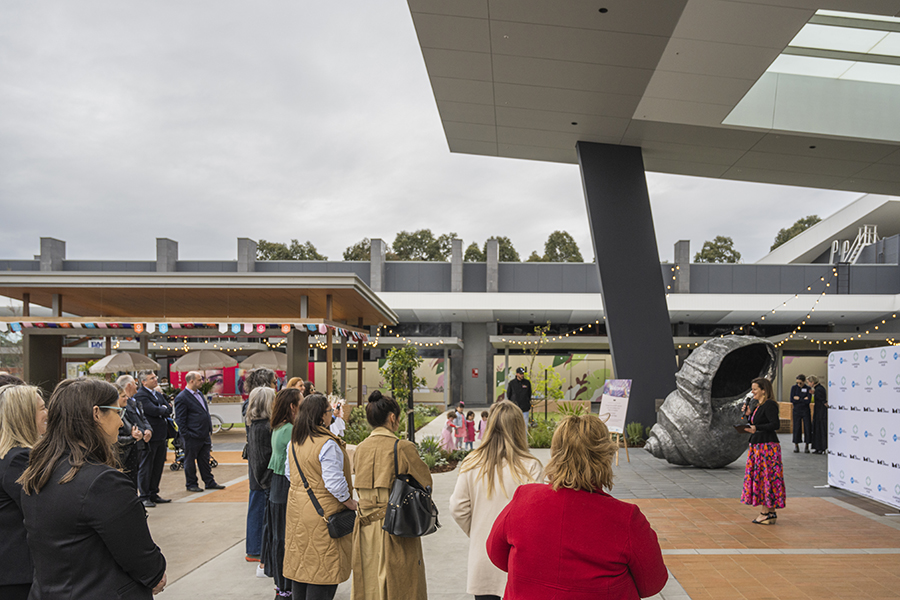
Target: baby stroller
{"x":177,"y":444}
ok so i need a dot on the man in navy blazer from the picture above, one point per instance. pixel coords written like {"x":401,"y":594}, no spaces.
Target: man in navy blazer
{"x":195,"y":427}
{"x":156,"y":411}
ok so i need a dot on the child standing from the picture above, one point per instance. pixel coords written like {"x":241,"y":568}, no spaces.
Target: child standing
{"x":460,"y":423}
{"x":447,"y":434}
{"x":483,"y":425}
{"x":470,"y":429}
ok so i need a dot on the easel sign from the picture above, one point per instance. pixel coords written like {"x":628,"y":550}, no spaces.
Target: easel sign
{"x":613,"y":409}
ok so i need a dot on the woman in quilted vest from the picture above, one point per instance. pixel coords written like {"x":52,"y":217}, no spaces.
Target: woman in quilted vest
{"x":385,"y":567}
{"x":313,"y":560}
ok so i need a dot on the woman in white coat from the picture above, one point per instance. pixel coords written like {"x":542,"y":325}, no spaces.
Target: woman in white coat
{"x":488,"y":477}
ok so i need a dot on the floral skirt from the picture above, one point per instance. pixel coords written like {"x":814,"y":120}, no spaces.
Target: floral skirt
{"x":764,"y":476}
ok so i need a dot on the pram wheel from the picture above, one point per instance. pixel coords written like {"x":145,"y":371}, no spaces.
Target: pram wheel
{"x":213,"y":463}
{"x":175,"y":466}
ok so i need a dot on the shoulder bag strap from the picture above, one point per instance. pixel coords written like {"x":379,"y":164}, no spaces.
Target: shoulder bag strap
{"x":396,"y":468}
{"x":306,"y":484}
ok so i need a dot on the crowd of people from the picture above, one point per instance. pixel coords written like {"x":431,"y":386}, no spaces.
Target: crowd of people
{"x":73,"y":498}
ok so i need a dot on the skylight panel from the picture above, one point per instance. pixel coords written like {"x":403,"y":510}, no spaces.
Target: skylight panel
{"x":844,"y":39}
{"x":852,"y":15}
{"x":873,"y":72}
{"x":889,"y":46}
{"x":810,"y":66}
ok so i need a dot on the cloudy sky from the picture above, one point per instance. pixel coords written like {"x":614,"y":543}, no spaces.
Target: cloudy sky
{"x":206,"y":121}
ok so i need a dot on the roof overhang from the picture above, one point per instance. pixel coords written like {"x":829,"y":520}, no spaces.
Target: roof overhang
{"x":204,"y":297}
{"x":529,"y":79}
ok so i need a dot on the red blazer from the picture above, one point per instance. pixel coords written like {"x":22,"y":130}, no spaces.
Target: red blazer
{"x":576,"y":545}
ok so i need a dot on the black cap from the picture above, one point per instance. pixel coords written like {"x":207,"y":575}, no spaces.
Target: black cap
{"x":520,"y":370}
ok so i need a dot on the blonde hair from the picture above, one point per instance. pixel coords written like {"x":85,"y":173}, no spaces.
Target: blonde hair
{"x":581,"y":455}
{"x":259,"y":405}
{"x":19,"y":405}
{"x":505,"y":442}
{"x":293,"y":381}
{"x":812,"y":379}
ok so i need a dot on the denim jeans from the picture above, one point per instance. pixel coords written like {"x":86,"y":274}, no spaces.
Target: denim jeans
{"x":256,"y":513}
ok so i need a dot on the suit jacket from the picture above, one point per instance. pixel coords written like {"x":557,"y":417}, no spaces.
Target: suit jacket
{"x":193,"y":419}
{"x":134,"y":414}
{"x":89,"y":537}
{"x":156,"y":410}
{"x":575,"y":544}
{"x":14,"y":557}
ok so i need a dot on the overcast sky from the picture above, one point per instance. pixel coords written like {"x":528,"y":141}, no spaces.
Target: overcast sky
{"x":205,"y":121}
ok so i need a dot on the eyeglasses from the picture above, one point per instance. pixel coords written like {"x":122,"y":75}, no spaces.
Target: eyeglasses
{"x":115,"y":408}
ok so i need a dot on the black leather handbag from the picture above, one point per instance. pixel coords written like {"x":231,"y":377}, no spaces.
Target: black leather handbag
{"x":410,"y":511}
{"x":340,"y":523}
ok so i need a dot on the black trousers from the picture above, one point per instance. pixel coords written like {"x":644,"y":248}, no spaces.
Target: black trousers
{"x":197,"y":451}
{"x":311,"y":591}
{"x":153,"y":459}
{"x":802,"y":423}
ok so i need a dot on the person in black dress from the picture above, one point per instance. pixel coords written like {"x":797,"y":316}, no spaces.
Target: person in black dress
{"x":800,"y":397}
{"x":820,"y":416}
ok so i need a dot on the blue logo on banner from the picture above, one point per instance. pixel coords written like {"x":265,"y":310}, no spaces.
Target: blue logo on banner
{"x":852,"y":384}
{"x":880,"y":489}
{"x":866,"y":358}
{"x":866,"y":433}
{"x":235,"y":328}
{"x":840,"y":430}
{"x":852,"y":480}
{"x":163,"y":327}
{"x":880,"y":383}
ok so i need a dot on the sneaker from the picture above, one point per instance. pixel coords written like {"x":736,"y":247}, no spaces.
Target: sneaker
{"x":261,"y":572}
{"x":252,"y":558}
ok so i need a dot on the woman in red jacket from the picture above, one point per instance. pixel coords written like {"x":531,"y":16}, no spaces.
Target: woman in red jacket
{"x":570,"y":539}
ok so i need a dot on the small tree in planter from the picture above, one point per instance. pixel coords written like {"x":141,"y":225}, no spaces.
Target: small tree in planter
{"x":400,"y":363}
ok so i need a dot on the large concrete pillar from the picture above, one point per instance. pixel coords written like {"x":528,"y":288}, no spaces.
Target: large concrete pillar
{"x":476,"y":375}
{"x":634,"y":299}
{"x":298,"y":354}
{"x":493,"y":266}
{"x":682,"y":267}
{"x":43,"y":361}
{"x":53,"y":253}
{"x":456,"y":266}
{"x":457,"y":356}
{"x":166,"y":255}
{"x":56,"y":305}
{"x":377,"y":251}
{"x":246,"y":255}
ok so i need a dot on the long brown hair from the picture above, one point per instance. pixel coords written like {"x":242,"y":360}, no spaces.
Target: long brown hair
{"x":766,"y":386}
{"x":309,"y":418}
{"x":505,"y":442}
{"x":282,"y":411}
{"x":72,"y":431}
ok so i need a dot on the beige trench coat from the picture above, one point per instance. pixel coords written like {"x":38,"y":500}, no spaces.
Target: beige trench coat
{"x":385,"y":567}
{"x":475,"y":513}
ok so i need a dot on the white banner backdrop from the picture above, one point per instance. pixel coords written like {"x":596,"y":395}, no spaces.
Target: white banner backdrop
{"x":864,"y":422}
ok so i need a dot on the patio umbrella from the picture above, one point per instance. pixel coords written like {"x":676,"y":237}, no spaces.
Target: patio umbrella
{"x":124,"y":361}
{"x":203,"y":360}
{"x":277,"y":361}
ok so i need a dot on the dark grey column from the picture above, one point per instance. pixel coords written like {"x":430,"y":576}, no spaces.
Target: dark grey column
{"x":43,"y":361}
{"x":298,"y":354}
{"x":493,"y":266}
{"x":166,"y":255}
{"x":457,"y":356}
{"x":634,"y":300}
{"x":53,"y":253}
{"x":246,"y":255}
{"x":377,"y":251}
{"x":456,"y":266}
{"x":682,"y":267}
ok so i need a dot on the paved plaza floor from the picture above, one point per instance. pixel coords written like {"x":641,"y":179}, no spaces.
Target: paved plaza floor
{"x":827,"y":544}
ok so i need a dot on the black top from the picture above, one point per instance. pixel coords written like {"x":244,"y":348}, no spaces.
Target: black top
{"x":800,"y":394}
{"x":767,"y":422}
{"x":259,"y":452}
{"x":15,"y":560}
{"x":519,"y":392}
{"x":89,"y":537}
{"x":192,"y":417}
{"x":156,"y":409}
{"x":820,"y":397}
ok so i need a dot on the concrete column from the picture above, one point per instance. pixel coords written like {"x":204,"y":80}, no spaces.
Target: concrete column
{"x":53,"y":253}
{"x":246,"y":255}
{"x":144,"y":343}
{"x":360,"y":350}
{"x":631,"y":284}
{"x":475,"y":358}
{"x":343,"y":367}
{"x":377,"y":251}
{"x":26,"y":305}
{"x":107,"y":346}
{"x":493,"y":266}
{"x":304,"y":310}
{"x":166,"y":255}
{"x":682,"y":267}
{"x":43,"y":360}
{"x":329,"y":352}
{"x":298,"y":354}
{"x":457,"y":358}
{"x":56,"y":305}
{"x":456,"y":266}
{"x":446,"y":378}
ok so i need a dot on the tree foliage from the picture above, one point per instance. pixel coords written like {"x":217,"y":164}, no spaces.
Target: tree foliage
{"x":507,"y":251}
{"x":719,"y":250}
{"x":561,"y":247}
{"x":535,"y":257}
{"x":422,"y":245}
{"x":361,"y":250}
{"x":474,"y":254}
{"x":395,"y":372}
{"x":794,"y":230}
{"x":11,"y":359}
{"x":279,"y":251}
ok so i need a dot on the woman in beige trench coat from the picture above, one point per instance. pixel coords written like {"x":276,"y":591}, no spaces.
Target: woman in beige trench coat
{"x":385,"y":567}
{"x":488,"y":477}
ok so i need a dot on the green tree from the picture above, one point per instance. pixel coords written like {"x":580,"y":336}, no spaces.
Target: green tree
{"x":395,"y":372}
{"x":794,"y":230}
{"x":361,"y":250}
{"x":561,"y":247}
{"x":422,"y":245}
{"x":279,"y":251}
{"x":11,"y":354}
{"x":474,"y":254}
{"x":507,"y":251}
{"x":719,"y":250}
{"x":535,"y":257}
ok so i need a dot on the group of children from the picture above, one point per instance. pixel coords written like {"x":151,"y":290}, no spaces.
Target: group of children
{"x":459,"y":433}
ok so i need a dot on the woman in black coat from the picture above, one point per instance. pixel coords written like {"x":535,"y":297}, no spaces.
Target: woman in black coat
{"x":23,"y":419}
{"x":87,"y":530}
{"x":820,"y":416}
{"x":764,"y":473}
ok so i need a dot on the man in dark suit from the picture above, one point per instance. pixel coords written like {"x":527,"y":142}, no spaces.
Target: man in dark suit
{"x":195,"y":427}
{"x":156,"y":410}
{"x":134,"y":414}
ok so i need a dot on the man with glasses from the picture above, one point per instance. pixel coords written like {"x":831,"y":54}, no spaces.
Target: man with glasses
{"x":156,"y":411}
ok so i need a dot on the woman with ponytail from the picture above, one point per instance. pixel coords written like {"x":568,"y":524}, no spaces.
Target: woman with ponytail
{"x":384,"y":566}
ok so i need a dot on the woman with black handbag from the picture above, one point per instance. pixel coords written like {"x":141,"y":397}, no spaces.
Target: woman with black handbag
{"x":385,"y":566}
{"x":316,"y":560}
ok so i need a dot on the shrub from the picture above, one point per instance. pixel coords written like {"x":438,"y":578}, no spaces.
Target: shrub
{"x":458,"y":455}
{"x":357,"y":427}
{"x":634,"y":432}
{"x":430,"y":445}
{"x":571,"y":409}
{"x":541,"y":434}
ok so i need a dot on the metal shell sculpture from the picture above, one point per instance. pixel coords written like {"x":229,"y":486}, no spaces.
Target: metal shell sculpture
{"x":696,"y":421}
